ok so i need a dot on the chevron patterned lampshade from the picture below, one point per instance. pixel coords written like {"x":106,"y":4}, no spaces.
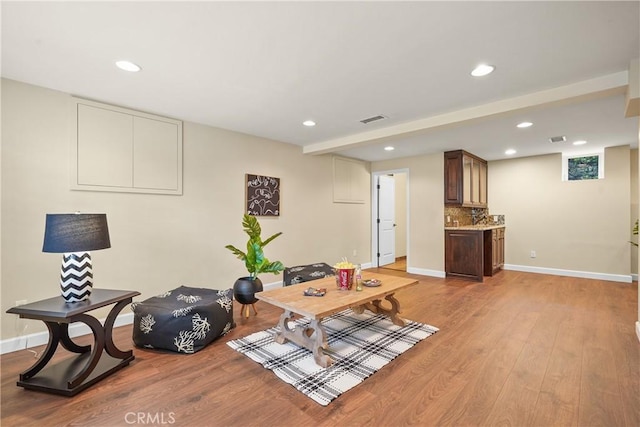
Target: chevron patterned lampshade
{"x":74,"y":235}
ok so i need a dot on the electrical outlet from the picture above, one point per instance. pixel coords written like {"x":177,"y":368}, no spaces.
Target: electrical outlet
{"x":21,"y":302}
{"x":533,"y":254}
{"x":355,"y":252}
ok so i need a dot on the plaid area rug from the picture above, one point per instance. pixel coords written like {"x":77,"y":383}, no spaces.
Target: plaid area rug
{"x":359,"y":344}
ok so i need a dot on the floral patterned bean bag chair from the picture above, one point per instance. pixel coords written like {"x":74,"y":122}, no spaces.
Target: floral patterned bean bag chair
{"x":183,"y":320}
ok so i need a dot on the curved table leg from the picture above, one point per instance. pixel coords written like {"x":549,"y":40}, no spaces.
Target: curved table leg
{"x":98,"y":347}
{"x":392,"y":313}
{"x":280,"y":337}
{"x":312,"y":337}
{"x":111,"y":348}
{"x":52,"y":345}
{"x":375,"y":309}
{"x":68,"y":343}
{"x":319,"y":343}
{"x":359,"y":309}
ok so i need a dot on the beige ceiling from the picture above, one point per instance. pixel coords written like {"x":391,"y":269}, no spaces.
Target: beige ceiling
{"x":264,"y":67}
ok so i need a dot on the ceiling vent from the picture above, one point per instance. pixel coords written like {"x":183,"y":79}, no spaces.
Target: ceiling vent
{"x":373,"y":119}
{"x":561,"y":138}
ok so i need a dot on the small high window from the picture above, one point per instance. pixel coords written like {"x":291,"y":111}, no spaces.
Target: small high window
{"x":583,"y":167}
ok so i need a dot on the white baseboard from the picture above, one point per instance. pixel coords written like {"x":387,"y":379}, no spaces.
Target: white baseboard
{"x":40,"y":338}
{"x":426,"y":272}
{"x":634,"y":277}
{"x":272,"y":285}
{"x":626,"y":278}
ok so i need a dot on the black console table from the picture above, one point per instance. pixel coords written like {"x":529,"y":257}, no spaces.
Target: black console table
{"x":93,"y":363}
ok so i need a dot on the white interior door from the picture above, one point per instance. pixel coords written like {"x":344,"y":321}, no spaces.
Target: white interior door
{"x":386,"y":220}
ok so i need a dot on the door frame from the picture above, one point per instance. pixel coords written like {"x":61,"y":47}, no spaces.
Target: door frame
{"x":374,"y":214}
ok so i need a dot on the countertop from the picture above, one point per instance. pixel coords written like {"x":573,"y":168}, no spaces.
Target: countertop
{"x":476,"y":227}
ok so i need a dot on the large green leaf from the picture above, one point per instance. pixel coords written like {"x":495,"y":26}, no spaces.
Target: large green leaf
{"x":251,"y":227}
{"x":237,"y":252}
{"x":273,"y":267}
{"x":254,"y":259}
{"x":270,"y":239}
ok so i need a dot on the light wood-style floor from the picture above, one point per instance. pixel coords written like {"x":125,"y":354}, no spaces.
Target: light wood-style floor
{"x":520,"y":349}
{"x":400,"y":264}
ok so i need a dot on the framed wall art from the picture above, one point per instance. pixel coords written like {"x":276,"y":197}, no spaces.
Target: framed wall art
{"x":262,"y":195}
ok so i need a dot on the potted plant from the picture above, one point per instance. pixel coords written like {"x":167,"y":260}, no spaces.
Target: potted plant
{"x":244,"y":288}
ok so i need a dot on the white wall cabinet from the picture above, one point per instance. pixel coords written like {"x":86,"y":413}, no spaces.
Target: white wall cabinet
{"x":122,"y":150}
{"x":350,"y":180}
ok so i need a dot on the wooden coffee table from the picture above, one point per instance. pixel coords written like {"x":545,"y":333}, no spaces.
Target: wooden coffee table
{"x":314,"y":337}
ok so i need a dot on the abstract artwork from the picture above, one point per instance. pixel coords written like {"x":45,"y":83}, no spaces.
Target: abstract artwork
{"x":263,"y":195}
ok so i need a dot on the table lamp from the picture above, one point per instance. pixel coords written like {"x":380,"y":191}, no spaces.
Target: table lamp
{"x":74,"y":235}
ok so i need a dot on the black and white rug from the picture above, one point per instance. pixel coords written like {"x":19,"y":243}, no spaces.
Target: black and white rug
{"x":359,"y":344}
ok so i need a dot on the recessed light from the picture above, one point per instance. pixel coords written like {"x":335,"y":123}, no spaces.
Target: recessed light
{"x":524,"y":125}
{"x":510,"y":152}
{"x":579,"y":142}
{"x":128,"y":66}
{"x":389,"y":148}
{"x":482,"y":70}
{"x":309,"y":123}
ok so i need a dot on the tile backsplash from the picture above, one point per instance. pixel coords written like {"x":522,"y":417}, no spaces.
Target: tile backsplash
{"x":462,"y":215}
{"x":479,"y":216}
{"x":470,"y":216}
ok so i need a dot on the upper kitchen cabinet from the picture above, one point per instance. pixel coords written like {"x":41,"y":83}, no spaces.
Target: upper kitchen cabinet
{"x":465,"y":180}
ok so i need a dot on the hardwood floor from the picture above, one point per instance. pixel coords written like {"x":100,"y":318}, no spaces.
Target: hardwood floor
{"x":400,"y":264}
{"x":520,"y":349}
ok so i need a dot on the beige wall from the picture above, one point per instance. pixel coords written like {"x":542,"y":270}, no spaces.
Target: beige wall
{"x":158,"y":241}
{"x":400,"y":180}
{"x":634,"y":208}
{"x":578,"y":225}
{"x":426,"y":210}
{"x":637,"y":182}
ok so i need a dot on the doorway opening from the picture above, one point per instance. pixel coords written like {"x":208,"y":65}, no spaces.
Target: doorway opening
{"x":390,"y":219}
